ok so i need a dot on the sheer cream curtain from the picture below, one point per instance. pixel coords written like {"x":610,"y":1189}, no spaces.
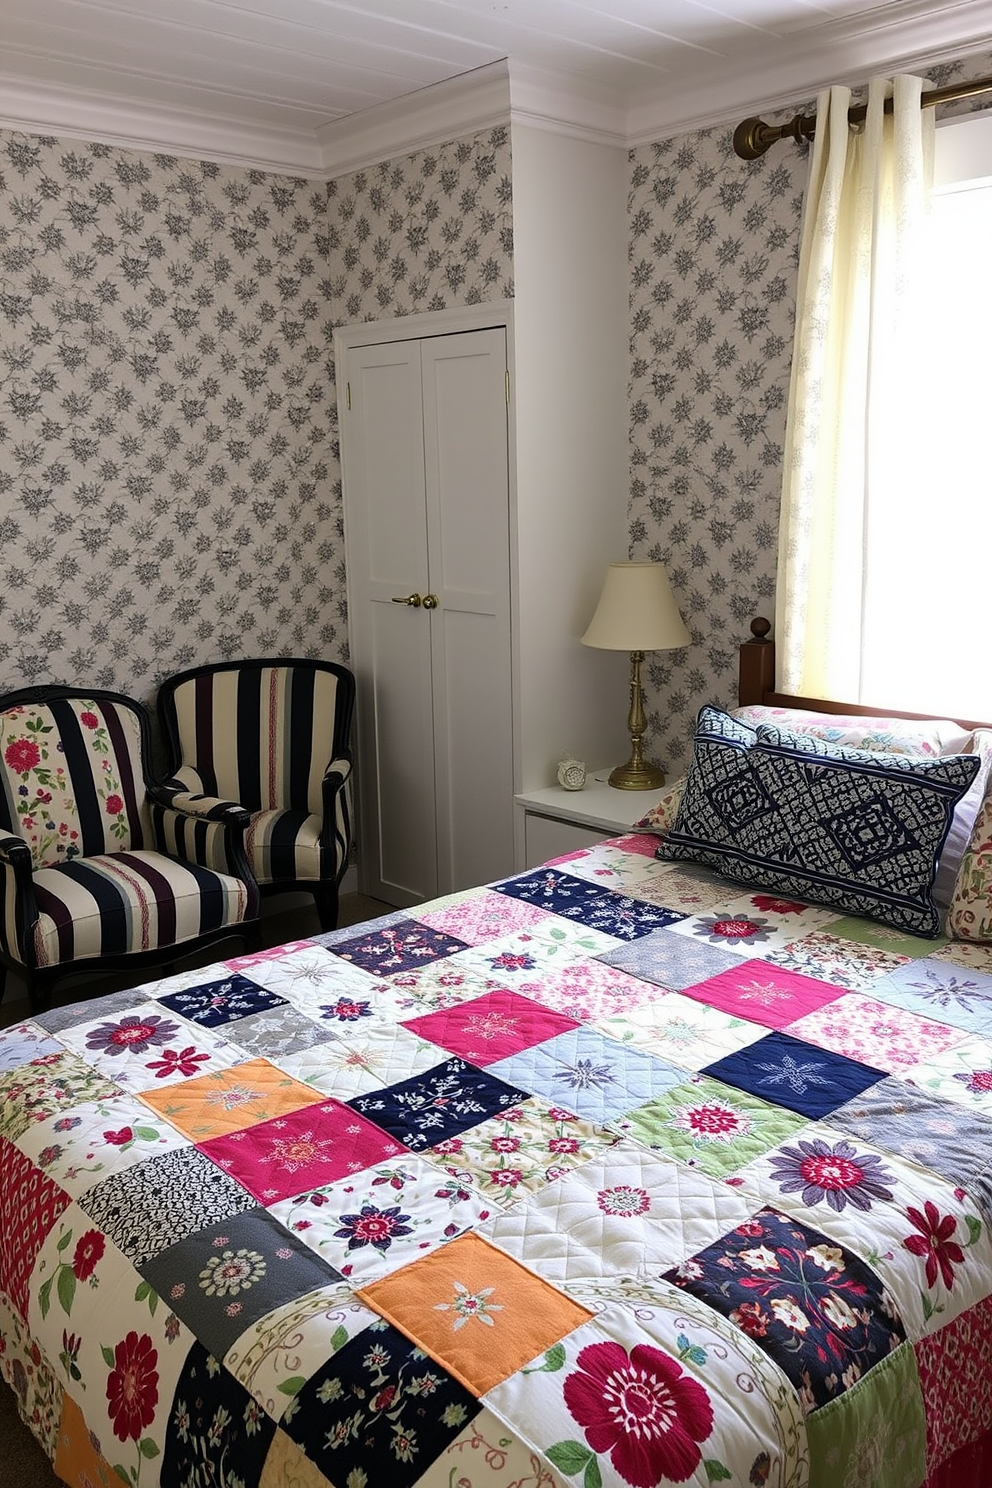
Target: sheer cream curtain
{"x":855,"y":377}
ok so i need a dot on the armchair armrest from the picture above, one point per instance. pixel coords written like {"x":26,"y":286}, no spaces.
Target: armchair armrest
{"x":19,"y":914}
{"x":336,"y":828}
{"x":14,"y":851}
{"x":340,"y":767}
{"x":174,"y":796}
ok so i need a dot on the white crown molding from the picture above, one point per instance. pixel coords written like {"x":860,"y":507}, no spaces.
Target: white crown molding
{"x":164,"y":131}
{"x":903,"y":34}
{"x":568,"y":105}
{"x":460,"y":106}
{"x":900,"y":36}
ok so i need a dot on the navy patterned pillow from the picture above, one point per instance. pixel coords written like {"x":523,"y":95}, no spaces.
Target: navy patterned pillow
{"x":859,"y":831}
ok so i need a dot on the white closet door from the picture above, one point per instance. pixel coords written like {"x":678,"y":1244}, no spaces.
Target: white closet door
{"x":465,"y":453}
{"x":391,"y":643}
{"x":427,"y":513}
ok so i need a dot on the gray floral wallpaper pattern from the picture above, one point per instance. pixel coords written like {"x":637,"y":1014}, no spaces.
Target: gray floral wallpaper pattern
{"x":714,"y":252}
{"x":169,"y":476}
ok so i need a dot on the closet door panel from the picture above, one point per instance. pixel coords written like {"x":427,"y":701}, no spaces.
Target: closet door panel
{"x":466,"y":478}
{"x":386,"y":528}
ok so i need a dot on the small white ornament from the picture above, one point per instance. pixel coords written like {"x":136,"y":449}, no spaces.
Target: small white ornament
{"x":571,"y":774}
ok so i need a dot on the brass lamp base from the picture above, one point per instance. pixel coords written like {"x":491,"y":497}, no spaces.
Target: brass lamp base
{"x":636,"y":774}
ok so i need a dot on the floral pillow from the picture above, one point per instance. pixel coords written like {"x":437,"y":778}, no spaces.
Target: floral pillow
{"x":928,"y":736}
{"x":62,"y":789}
{"x":969,"y":916}
{"x":661,"y":817}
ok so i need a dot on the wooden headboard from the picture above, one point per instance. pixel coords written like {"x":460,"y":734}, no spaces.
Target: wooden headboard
{"x":757,"y":684}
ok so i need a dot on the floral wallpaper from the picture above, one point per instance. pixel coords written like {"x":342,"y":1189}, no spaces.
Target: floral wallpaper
{"x":714,"y":251}
{"x":169,"y":476}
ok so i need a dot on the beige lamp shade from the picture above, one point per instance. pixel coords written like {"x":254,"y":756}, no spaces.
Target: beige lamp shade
{"x":636,"y":611}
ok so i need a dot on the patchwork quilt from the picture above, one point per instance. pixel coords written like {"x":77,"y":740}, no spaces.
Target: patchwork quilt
{"x":610,"y":1173}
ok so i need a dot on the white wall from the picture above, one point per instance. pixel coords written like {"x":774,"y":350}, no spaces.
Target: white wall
{"x":570,"y":385}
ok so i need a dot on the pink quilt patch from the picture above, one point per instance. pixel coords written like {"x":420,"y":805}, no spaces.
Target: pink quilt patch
{"x":491,"y":1027}
{"x":876,"y":1033}
{"x":30,"y":1204}
{"x":764,"y":993}
{"x":306,"y":1149}
{"x":645,"y":843}
{"x":955,"y":1365}
{"x":483,"y":916}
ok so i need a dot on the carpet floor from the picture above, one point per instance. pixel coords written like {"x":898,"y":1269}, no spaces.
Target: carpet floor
{"x":23,"y":1464}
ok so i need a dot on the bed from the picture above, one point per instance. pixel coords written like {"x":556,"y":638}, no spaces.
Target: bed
{"x":622,"y":1171}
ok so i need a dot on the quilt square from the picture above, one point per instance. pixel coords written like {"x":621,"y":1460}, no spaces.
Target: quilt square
{"x":585,"y":990}
{"x":479,"y":915}
{"x":213,"y":1419}
{"x":962,"y":1074}
{"x":362,"y":1059}
{"x":886,"y":937}
{"x":277,"y":1032}
{"x":375,"y":1221}
{"x":686,"y":1033}
{"x":741,"y":930}
{"x":378,"y":1412}
{"x":590,"y":904}
{"x":148,"y":1208}
{"x":764,"y":993}
{"x":48,"y":1085}
{"x":311,"y":977}
{"x":520,"y":1152}
{"x":826,"y":956}
{"x":444,"y":984}
{"x":104,"y":1137}
{"x":627,"y":1212}
{"x":397,"y":947}
{"x":954,"y":1366}
{"x":797,"y":1075}
{"x":223,"y":1001}
{"x":475,"y":1310}
{"x":707,"y":1124}
{"x":947,"y":1138}
{"x":229,"y":1101}
{"x":225,"y":1276}
{"x":442,"y":1103}
{"x":876,"y":1432}
{"x":689,"y":890}
{"x":671,"y":961}
{"x":491,"y":1027}
{"x":817,"y":1310}
{"x":143,"y":1047}
{"x":30,"y":1204}
{"x":941,"y":990}
{"x":303,"y":1149}
{"x":587,"y":1073}
{"x":24,"y":1042}
{"x":889,"y":1036}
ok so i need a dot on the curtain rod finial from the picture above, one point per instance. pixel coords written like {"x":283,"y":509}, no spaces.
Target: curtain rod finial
{"x":752,"y":138}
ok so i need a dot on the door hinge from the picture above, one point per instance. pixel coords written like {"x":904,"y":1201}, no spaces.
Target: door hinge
{"x":347,"y":388}
{"x":506,"y":385}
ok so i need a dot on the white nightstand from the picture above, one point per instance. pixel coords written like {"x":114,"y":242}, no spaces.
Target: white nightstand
{"x":557,"y":821}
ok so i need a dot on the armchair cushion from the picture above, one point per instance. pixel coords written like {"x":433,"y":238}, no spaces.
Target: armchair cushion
{"x":70,"y":770}
{"x":285,"y":845}
{"x":117,"y":903}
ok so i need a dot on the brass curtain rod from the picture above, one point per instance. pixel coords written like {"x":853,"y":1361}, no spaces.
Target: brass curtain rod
{"x":753,"y":137}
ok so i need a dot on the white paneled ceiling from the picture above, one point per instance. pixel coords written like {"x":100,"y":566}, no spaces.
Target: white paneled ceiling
{"x":314,"y":85}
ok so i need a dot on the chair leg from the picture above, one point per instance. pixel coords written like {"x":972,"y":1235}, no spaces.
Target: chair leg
{"x":325,"y":897}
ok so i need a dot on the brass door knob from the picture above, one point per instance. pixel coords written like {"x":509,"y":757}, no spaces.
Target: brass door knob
{"x":411,"y":599}
{"x":430,"y":601}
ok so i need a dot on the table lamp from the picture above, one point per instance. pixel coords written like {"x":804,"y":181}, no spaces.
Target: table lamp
{"x":636,"y":613}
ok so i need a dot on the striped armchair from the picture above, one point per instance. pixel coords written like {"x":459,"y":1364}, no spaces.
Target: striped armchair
{"x":273,"y":736}
{"x":97,"y":867}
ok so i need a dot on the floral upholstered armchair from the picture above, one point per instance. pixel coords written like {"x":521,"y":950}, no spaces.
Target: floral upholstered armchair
{"x":97,"y":868}
{"x":274,"y":736}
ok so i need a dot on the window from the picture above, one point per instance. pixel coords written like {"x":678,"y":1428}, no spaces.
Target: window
{"x":931,"y":543}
